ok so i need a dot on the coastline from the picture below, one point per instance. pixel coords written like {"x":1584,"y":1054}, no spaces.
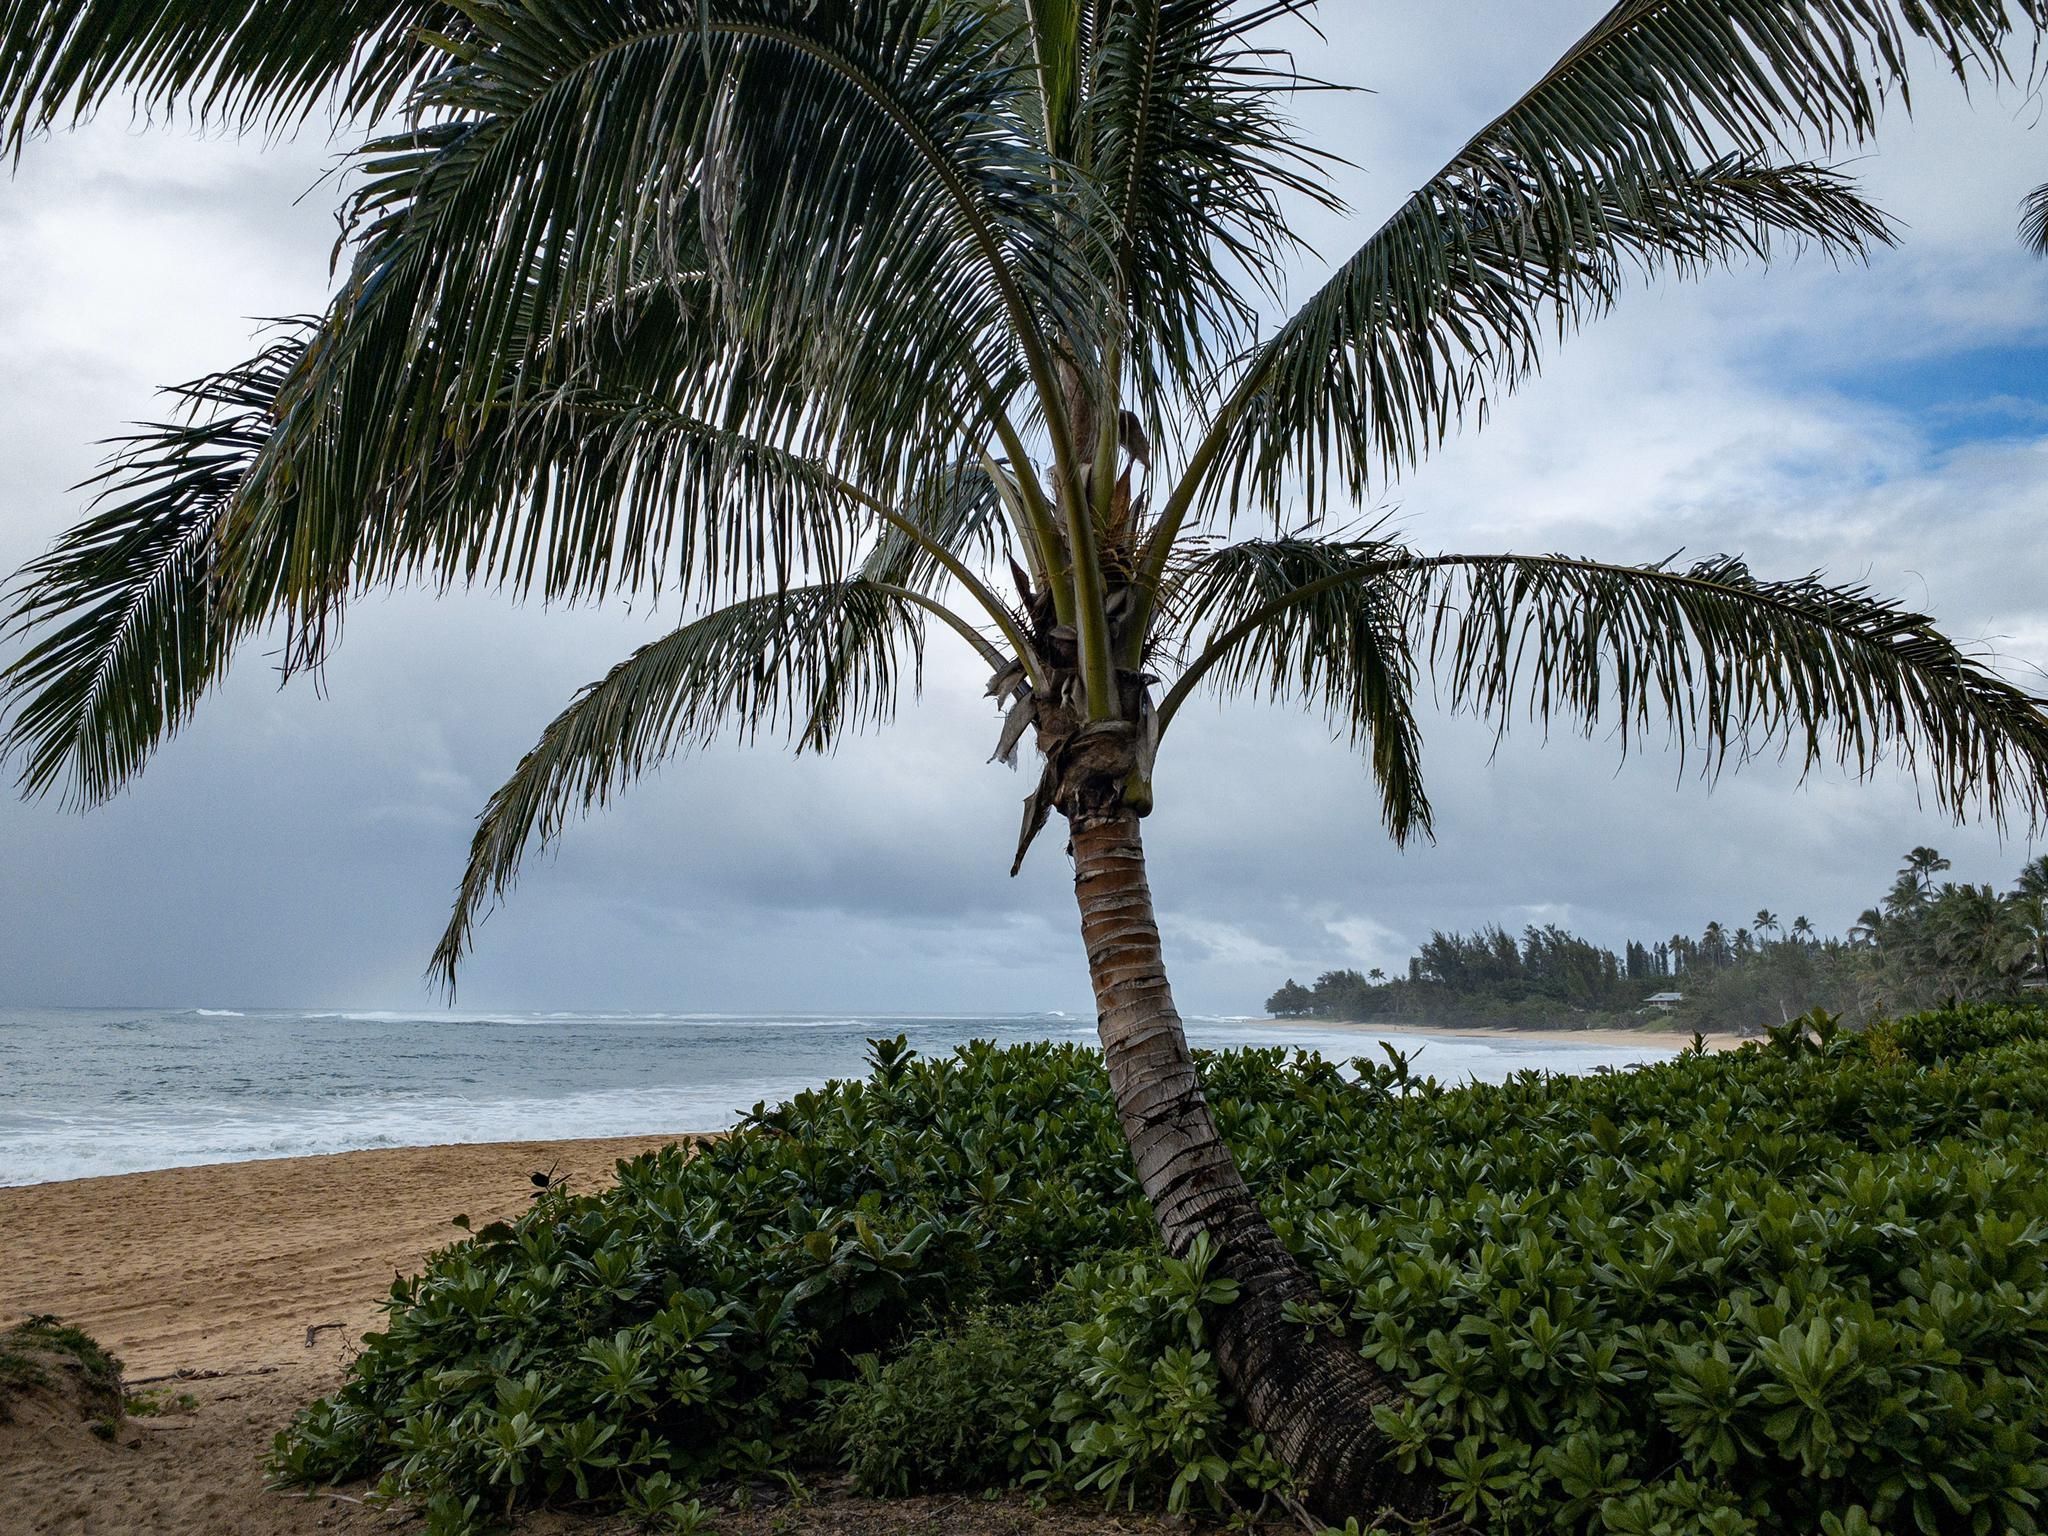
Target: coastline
{"x":1655,"y":1039}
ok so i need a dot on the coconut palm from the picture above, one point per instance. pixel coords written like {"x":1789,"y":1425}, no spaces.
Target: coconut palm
{"x":2028,"y":952}
{"x":852,"y":324}
{"x":1766,"y":922}
{"x":1973,"y":940}
{"x":1802,"y":930}
{"x":1922,"y":865}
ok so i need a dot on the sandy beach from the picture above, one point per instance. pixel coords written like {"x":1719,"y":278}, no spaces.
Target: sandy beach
{"x":1655,"y":1039}
{"x":245,"y":1286}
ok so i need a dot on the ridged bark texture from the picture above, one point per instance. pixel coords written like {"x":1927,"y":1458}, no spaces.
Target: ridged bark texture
{"x":1309,"y":1391}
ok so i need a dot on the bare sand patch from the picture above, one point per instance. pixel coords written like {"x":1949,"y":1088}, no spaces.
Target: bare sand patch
{"x":1653,"y":1038}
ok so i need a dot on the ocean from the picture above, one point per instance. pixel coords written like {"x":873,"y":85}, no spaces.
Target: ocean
{"x":85,"y":1092}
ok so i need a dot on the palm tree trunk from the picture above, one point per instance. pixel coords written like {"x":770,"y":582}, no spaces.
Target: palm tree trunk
{"x":1307,"y":1390}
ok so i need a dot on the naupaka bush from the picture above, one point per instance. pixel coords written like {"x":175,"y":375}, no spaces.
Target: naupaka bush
{"x":1799,"y":1287}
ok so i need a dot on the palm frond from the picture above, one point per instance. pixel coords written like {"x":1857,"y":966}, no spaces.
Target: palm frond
{"x":960,"y":510}
{"x":2034,"y":220}
{"x":243,"y":63}
{"x":126,"y":632}
{"x":811,"y":663}
{"x":843,"y":316}
{"x":1450,"y":302}
{"x":203,"y":536}
{"x":1621,"y":155}
{"x":1733,"y":667}
{"x":1304,"y":619}
{"x":1180,"y":127}
{"x":1058,"y":34}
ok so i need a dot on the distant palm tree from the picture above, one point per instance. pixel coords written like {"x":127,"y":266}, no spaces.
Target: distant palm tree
{"x":2033,"y":880}
{"x":840,"y":319}
{"x":1375,"y":975}
{"x":1802,"y":930}
{"x":1767,"y":922}
{"x":1922,"y":865}
{"x":2028,"y":913}
{"x":1973,"y":937}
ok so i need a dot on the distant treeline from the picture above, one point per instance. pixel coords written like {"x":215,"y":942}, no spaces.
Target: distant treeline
{"x":1927,"y":941}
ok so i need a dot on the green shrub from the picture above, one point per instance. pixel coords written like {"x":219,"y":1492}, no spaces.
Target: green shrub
{"x":957,"y":1410}
{"x":1800,"y":1287}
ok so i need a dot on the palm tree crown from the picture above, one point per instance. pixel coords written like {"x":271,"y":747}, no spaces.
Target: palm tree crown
{"x":838,"y":322}
{"x":578,"y":353}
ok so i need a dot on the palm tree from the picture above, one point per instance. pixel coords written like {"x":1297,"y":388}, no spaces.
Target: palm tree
{"x":840,"y":319}
{"x":1375,"y":975}
{"x":1802,"y":930}
{"x":1974,"y":940}
{"x":2033,"y":880}
{"x":2034,"y":220}
{"x":1767,"y":922}
{"x":2028,"y":912}
{"x":1922,"y":865}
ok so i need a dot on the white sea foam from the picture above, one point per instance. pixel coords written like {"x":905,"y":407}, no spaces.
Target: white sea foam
{"x":85,"y":1145}
{"x":86,"y":1093}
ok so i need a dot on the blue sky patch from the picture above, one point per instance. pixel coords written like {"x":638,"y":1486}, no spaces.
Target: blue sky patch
{"x":1960,"y":397}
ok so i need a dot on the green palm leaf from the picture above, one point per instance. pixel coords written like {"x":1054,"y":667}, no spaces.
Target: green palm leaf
{"x":1452,"y":300}
{"x":246,"y":63}
{"x":1729,"y":666}
{"x":810,"y":663}
{"x":1308,"y":620}
{"x":533,"y":263}
{"x":202,"y":542}
{"x":2034,"y":220}
{"x":126,"y":631}
{"x":1181,"y":129}
{"x":1735,"y":666}
{"x":1651,"y":143}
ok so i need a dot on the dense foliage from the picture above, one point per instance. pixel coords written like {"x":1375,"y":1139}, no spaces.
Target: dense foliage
{"x":1926,"y":943}
{"x":1800,"y":1287}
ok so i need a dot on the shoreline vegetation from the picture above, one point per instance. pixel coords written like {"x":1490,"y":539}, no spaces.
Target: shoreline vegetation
{"x":851,"y":1314}
{"x":1926,"y":942}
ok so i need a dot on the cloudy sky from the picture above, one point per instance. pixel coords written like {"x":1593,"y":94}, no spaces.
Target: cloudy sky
{"x":296,"y":847}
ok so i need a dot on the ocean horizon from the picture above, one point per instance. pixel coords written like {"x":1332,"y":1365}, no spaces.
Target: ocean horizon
{"x":86,"y":1092}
